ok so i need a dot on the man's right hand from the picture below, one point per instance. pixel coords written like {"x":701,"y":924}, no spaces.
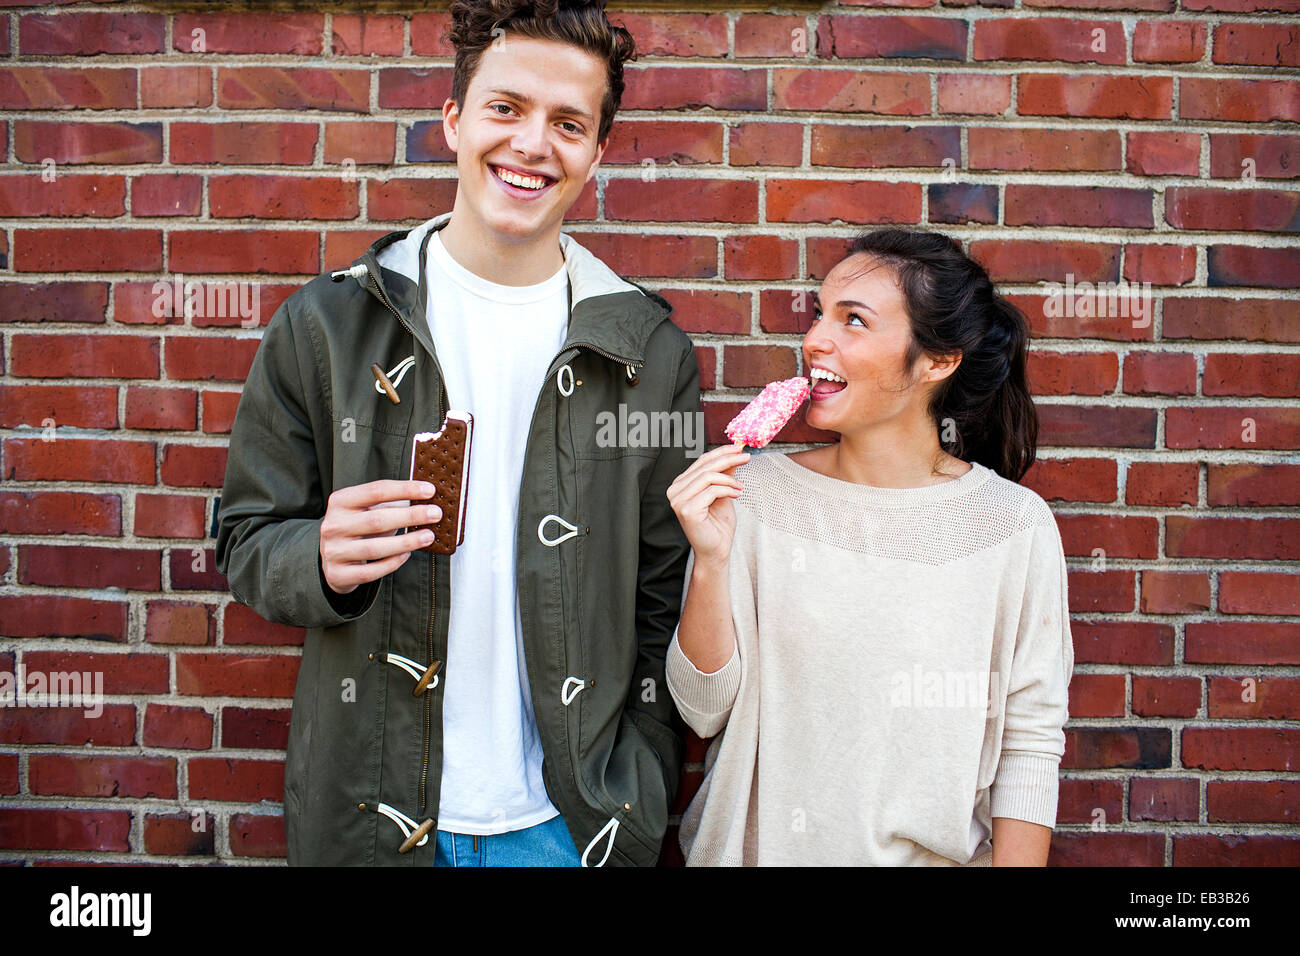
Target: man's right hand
{"x":357,"y":544}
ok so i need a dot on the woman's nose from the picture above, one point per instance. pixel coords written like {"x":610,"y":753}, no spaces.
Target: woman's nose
{"x":816,"y":341}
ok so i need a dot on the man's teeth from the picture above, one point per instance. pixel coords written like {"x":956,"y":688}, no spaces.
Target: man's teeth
{"x":827,"y":376}
{"x":524,"y":182}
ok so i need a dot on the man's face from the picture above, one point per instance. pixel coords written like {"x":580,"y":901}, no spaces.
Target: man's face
{"x":525,"y":141}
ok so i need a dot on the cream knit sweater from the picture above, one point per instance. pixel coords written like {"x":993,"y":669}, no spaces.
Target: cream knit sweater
{"x":900,"y":677}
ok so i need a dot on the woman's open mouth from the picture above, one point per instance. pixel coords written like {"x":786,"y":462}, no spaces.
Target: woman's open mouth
{"x":520,"y":185}
{"x":825,"y":384}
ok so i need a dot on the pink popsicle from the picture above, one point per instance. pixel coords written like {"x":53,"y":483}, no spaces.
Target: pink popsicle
{"x":760,"y":420}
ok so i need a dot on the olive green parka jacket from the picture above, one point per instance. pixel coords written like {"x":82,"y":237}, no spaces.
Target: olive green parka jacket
{"x":600,"y":558}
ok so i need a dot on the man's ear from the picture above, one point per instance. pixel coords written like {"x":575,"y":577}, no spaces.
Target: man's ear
{"x":600,"y":151}
{"x":451,"y":123}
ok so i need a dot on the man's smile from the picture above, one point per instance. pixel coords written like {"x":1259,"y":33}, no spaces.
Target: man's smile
{"x":520,"y":184}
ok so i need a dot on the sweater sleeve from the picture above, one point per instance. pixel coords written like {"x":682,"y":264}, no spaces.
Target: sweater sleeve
{"x":705,"y":700}
{"x":1025,"y":786}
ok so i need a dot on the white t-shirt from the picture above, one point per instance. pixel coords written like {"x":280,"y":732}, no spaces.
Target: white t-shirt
{"x":495,"y":344}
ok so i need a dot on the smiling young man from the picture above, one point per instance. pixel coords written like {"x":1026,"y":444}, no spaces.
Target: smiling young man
{"x":504,"y":705}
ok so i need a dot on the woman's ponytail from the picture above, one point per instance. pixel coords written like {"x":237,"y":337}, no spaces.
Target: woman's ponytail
{"x":1008,"y":440}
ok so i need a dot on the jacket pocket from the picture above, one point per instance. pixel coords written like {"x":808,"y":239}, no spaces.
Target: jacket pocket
{"x":610,"y":419}
{"x":633,"y":789}
{"x":363,"y":454}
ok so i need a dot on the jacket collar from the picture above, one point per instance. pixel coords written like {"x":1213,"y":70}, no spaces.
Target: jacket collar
{"x":606,"y":312}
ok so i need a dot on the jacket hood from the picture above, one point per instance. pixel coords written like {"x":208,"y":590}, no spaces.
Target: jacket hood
{"x":605,"y":310}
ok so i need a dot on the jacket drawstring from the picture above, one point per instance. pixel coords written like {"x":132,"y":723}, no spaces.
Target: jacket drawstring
{"x":552,"y":542}
{"x":357,"y":271}
{"x":426,"y":678}
{"x":417,"y":834}
{"x":567,"y":694}
{"x":394,"y":375}
{"x":385,"y":384}
{"x":559,"y":379}
{"x":612,"y":829}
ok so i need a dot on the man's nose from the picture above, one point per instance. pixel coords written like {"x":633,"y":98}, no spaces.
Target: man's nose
{"x":530,"y":138}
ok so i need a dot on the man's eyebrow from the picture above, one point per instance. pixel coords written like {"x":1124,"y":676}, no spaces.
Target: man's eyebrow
{"x":528,"y":101}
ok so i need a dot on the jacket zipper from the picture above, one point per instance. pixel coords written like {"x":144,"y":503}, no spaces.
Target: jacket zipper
{"x":599,"y":351}
{"x":433,"y":579}
{"x":428,"y":694}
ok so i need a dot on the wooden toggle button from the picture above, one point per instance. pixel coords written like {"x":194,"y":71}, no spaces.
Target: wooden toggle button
{"x":416,"y":836}
{"x":427,"y":678}
{"x":385,"y":383}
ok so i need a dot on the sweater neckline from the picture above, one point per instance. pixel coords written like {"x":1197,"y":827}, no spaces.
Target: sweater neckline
{"x":883,"y":497}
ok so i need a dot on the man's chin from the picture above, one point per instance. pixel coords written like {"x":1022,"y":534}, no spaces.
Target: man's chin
{"x":519,"y":228}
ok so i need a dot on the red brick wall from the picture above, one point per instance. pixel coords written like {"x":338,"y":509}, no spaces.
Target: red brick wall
{"x":1147,"y":140}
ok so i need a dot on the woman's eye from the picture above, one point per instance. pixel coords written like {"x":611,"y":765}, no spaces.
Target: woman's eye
{"x":817,"y":314}
{"x":856,"y":318}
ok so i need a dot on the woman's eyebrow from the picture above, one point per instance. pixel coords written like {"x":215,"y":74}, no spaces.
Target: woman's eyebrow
{"x":854,"y":304}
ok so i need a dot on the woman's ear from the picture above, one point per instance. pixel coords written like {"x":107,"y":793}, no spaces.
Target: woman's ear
{"x":940,"y":367}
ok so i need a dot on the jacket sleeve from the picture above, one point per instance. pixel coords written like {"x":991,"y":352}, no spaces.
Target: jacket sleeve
{"x":268,"y":523}
{"x":1025,"y":786}
{"x":660,"y":576}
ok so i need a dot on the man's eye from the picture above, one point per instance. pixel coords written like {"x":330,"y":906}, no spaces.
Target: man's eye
{"x":500,"y":108}
{"x":571,"y":128}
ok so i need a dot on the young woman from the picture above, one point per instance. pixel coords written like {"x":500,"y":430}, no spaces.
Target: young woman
{"x":875,"y":632}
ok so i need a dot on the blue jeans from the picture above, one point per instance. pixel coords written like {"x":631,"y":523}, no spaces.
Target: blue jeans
{"x":546,"y":844}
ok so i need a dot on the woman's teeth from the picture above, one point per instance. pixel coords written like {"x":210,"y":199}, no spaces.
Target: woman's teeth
{"x":523,"y":182}
{"x":821,"y":373}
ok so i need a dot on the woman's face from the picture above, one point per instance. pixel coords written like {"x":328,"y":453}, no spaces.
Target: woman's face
{"x":859,"y":331}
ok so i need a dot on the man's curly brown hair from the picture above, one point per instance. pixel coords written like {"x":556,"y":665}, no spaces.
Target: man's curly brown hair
{"x":582,"y":23}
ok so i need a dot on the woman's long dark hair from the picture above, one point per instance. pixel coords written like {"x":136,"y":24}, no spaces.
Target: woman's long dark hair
{"x":953,"y":307}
